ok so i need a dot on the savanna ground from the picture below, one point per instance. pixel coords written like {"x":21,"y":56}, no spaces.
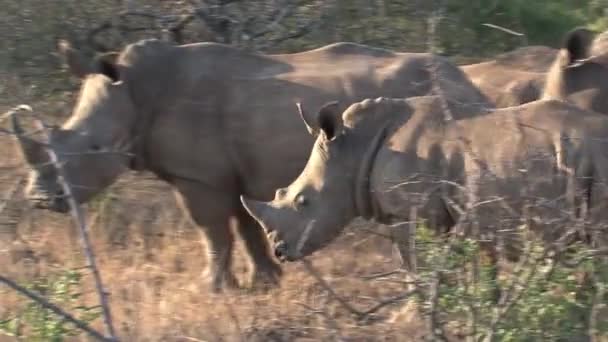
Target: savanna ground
{"x":152,"y":260}
{"x":150,"y":257}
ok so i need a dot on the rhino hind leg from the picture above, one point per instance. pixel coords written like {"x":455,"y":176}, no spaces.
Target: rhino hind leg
{"x":265,"y":272}
{"x":212,"y":211}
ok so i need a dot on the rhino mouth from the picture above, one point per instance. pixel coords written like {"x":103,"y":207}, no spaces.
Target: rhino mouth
{"x":286,"y":253}
{"x":279,"y":246}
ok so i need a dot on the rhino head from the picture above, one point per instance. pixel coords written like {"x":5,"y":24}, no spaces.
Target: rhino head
{"x":579,"y":73}
{"x":328,"y":194}
{"x":310,"y":212}
{"x":91,"y":143}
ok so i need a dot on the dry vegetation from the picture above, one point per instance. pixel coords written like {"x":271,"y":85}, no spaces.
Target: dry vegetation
{"x":151,"y":259}
{"x":150,"y":255}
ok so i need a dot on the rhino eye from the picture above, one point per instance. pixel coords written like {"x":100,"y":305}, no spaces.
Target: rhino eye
{"x":95,"y":148}
{"x":280,"y":193}
{"x":301,"y":200}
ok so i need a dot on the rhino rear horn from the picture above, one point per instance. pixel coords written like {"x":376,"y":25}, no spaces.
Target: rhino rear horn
{"x":33,"y":151}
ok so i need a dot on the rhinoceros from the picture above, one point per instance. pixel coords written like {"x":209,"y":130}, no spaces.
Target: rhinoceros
{"x":215,"y":122}
{"x":543,"y":164}
{"x":579,"y":73}
{"x":513,"y":78}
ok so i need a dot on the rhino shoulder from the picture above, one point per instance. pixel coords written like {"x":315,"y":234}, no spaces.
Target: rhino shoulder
{"x":144,"y":48}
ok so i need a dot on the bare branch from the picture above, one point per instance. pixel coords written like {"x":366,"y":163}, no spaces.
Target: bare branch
{"x":503,"y":29}
{"x":299,"y":32}
{"x":311,"y":269}
{"x":389,"y":301}
{"x":383,"y":274}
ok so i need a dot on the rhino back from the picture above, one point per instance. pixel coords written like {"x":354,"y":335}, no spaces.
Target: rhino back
{"x":270,"y":144}
{"x":227,"y":118}
{"x":500,"y":159}
{"x":515,"y":77}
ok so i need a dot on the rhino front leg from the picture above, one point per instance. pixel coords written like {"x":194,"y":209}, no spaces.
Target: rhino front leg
{"x":265,"y":272}
{"x":212,"y":212}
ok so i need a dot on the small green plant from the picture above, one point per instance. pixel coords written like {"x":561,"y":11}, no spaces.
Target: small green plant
{"x":552,"y":303}
{"x":35,"y":323}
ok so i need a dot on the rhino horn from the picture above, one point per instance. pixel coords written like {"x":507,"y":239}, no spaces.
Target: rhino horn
{"x":33,"y":151}
{"x":257,"y":209}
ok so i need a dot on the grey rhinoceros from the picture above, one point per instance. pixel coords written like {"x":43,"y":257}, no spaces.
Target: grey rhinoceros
{"x":579,"y":73}
{"x":215,"y":122}
{"x":380,"y":158}
{"x":513,"y":78}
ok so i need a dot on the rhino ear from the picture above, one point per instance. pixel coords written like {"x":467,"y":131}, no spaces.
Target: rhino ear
{"x":106,"y":64}
{"x":329,"y":120}
{"x":76,"y":62}
{"x":577,"y":44}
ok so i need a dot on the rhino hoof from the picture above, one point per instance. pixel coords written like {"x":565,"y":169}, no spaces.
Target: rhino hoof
{"x":267,"y":278}
{"x":217,"y":284}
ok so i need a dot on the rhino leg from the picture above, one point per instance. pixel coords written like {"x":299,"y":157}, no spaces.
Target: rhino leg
{"x":265,"y":271}
{"x":212,"y":212}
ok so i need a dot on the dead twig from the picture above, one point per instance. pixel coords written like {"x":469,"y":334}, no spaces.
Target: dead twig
{"x":389,"y":301}
{"x":383,"y":274}
{"x":503,"y":29}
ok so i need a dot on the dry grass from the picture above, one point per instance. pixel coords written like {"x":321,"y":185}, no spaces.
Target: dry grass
{"x":151,"y":259}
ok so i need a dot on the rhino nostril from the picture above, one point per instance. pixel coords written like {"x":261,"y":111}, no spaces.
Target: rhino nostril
{"x":280,"y":250}
{"x":278,"y":253}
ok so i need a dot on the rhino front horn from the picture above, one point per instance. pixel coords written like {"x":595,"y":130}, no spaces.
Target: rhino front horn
{"x":256,"y":209}
{"x":33,"y":151}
